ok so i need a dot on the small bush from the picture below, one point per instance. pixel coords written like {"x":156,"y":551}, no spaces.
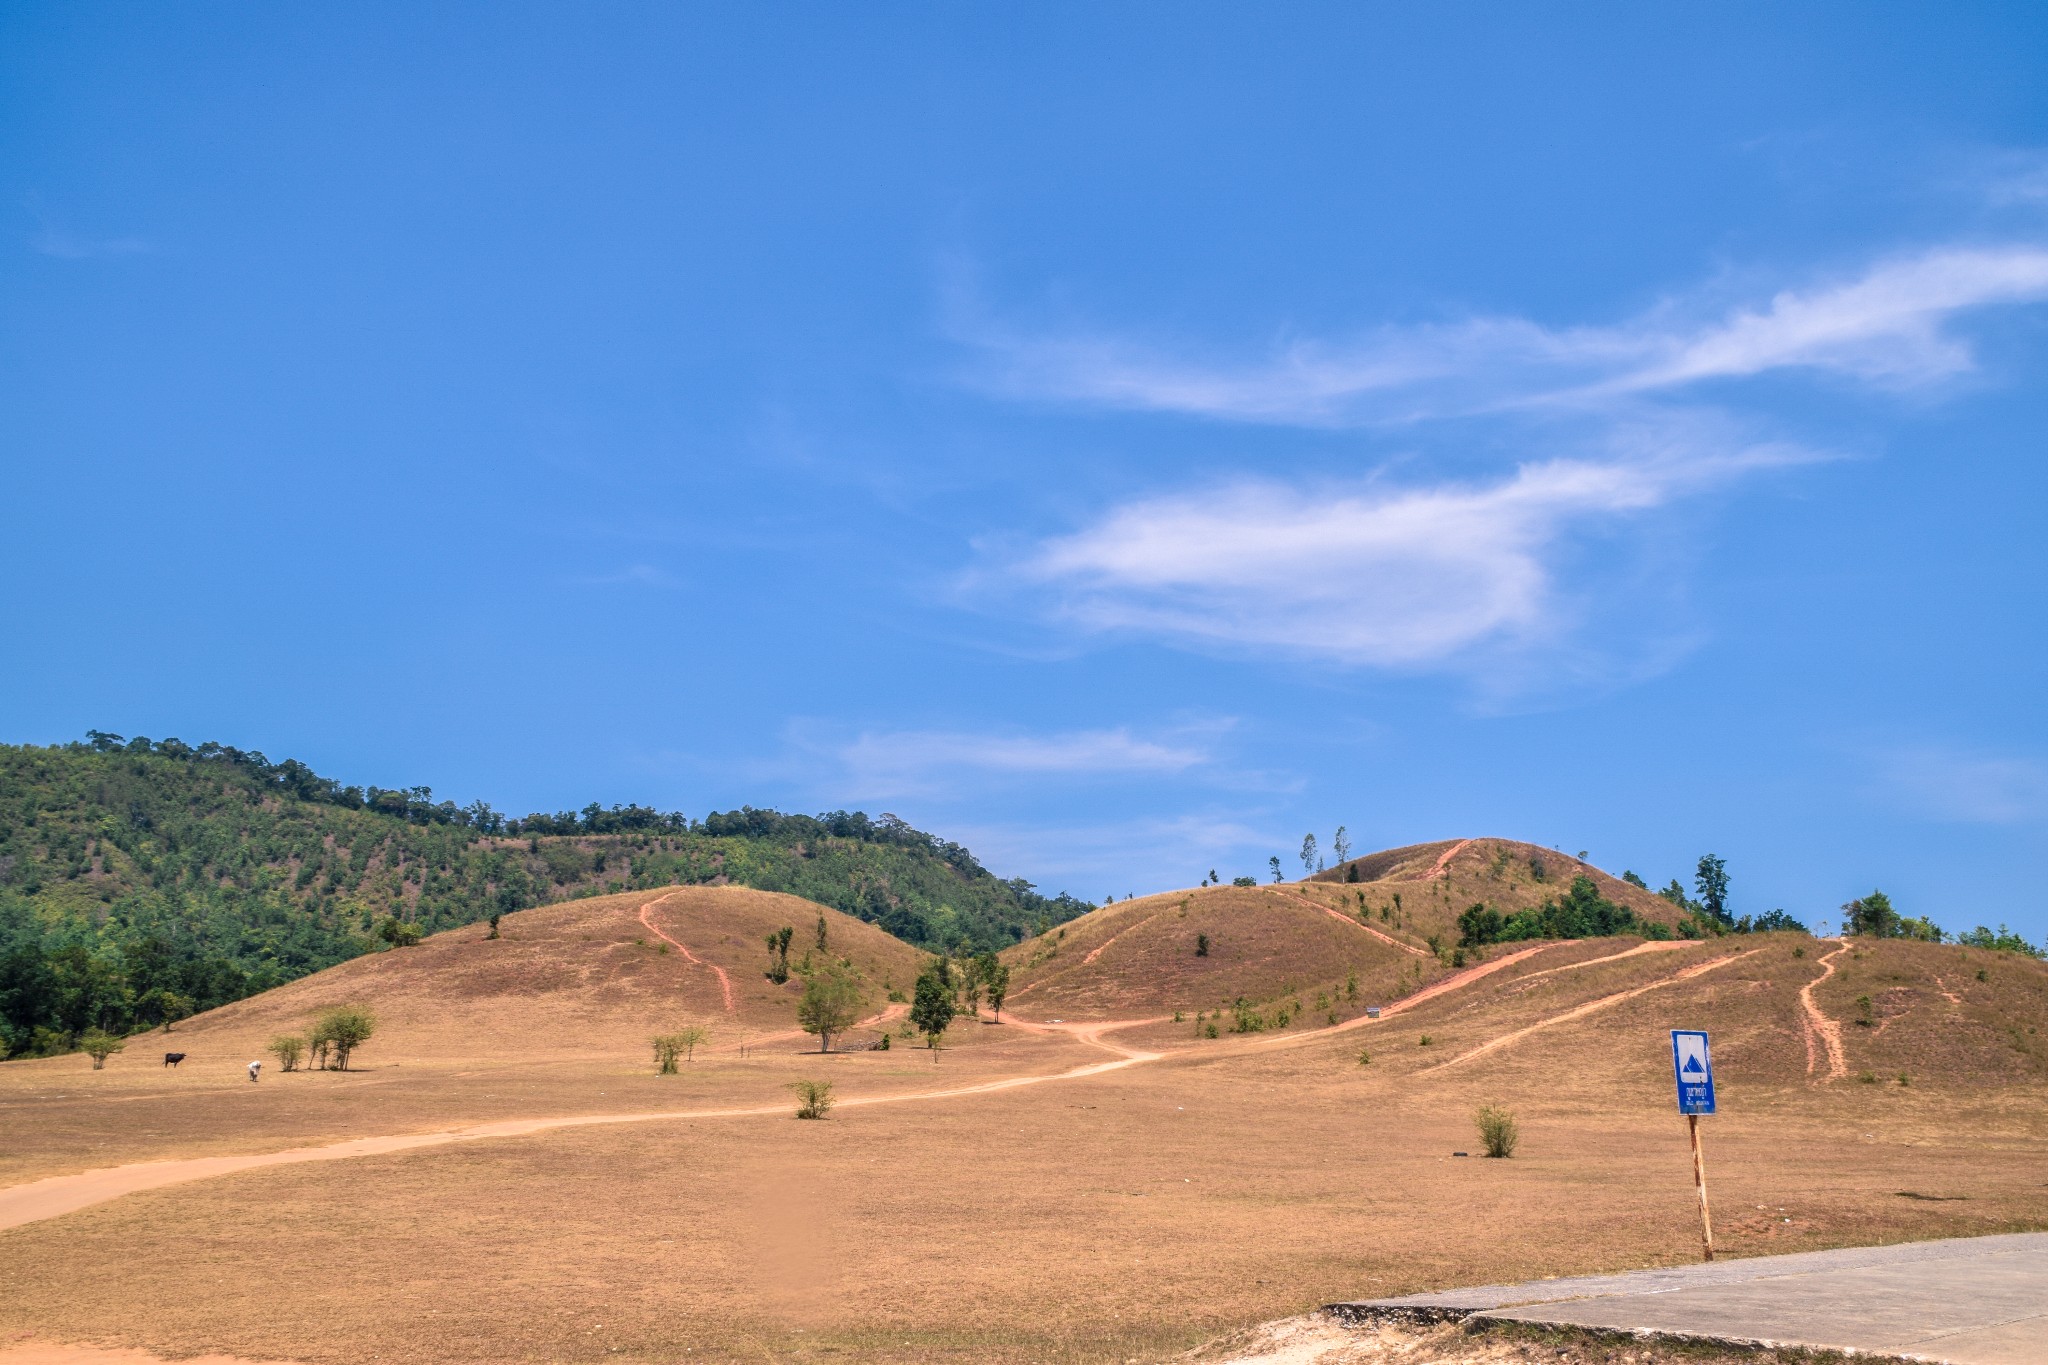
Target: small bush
{"x":1904,"y":1079}
{"x":1868,"y":1078}
{"x":289,"y":1049}
{"x":1426,"y":1041}
{"x":1799,"y":952}
{"x":99,"y":1045}
{"x":1365,"y":1059}
{"x":1201,"y":945}
{"x":1209,"y":1029}
{"x":1497,"y":1131}
{"x":668,"y":1050}
{"x":883,"y":1046}
{"x":1178,"y":1017}
{"x":1864,"y":1009}
{"x":813,"y":1098}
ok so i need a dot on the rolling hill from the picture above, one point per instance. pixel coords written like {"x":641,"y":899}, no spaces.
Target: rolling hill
{"x":592,"y":977}
{"x":1367,"y":931}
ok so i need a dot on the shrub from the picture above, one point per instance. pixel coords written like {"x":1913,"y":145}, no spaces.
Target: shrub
{"x":1799,"y":952}
{"x":1365,"y":1059}
{"x":1868,"y":1078}
{"x":289,"y":1049}
{"x":1426,"y":1041}
{"x":1201,"y":945}
{"x":668,"y":1048}
{"x":1209,"y":1029}
{"x":1244,"y":881}
{"x":399,"y":933}
{"x":831,"y":1001}
{"x":1498,"y":1133}
{"x":1864,"y":1008}
{"x":883,"y":1046}
{"x":1904,"y":1079}
{"x":99,"y":1045}
{"x":813,"y":1098}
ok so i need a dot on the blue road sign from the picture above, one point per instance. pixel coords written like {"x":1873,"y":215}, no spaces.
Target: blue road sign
{"x":1694,"y":1070}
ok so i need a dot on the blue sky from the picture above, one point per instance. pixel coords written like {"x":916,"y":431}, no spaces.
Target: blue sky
{"x":1119,"y":438}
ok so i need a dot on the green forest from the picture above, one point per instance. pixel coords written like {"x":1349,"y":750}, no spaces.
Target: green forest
{"x":142,"y":881}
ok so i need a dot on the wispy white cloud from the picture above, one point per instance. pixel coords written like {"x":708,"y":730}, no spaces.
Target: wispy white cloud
{"x":1369,"y":574}
{"x":1612,"y":423}
{"x":890,"y":763}
{"x":1892,"y":324}
{"x":1970,"y":787}
{"x":633,"y":576}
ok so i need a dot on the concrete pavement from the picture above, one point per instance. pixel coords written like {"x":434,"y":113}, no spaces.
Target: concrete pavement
{"x":1969,"y":1301}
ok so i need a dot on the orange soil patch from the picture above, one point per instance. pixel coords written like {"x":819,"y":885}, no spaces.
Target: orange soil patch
{"x":1821,"y":1030}
{"x":724,"y":981}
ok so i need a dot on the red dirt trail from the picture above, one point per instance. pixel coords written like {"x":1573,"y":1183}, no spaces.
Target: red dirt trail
{"x":1821,"y":1030}
{"x":1358,"y":924}
{"x":724,"y":981}
{"x":1443,"y":864}
{"x":1590,"y":1007}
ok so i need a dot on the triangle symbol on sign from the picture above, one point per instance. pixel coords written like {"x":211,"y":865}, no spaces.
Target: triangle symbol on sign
{"x":1692,"y":1064}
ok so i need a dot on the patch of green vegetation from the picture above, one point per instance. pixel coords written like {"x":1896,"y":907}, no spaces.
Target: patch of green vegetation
{"x":142,"y":881}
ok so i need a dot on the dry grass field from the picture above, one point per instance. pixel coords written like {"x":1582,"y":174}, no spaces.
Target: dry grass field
{"x":1122,"y":1188}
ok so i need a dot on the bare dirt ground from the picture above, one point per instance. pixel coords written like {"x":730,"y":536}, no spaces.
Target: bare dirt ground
{"x":1165,"y":1194}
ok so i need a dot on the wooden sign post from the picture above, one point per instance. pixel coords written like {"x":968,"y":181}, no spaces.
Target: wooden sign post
{"x":1693,"y":1067}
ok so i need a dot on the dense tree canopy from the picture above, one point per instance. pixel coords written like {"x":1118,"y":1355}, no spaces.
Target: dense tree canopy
{"x":144,"y":880}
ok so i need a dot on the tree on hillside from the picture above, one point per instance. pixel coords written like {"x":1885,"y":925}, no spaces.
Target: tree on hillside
{"x":99,"y":1045}
{"x":344,"y":1028}
{"x":1341,"y":845}
{"x":1872,"y":916}
{"x":995,"y":979}
{"x":830,"y":1003}
{"x":399,"y":933}
{"x":778,"y":954}
{"x":1308,"y":853}
{"x":931,"y":1005}
{"x":821,"y":932}
{"x":1711,"y":881}
{"x":1274,"y":863}
{"x":1633,"y":880}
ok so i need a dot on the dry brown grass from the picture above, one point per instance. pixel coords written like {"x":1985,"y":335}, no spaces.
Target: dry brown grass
{"x":1134,"y":1214}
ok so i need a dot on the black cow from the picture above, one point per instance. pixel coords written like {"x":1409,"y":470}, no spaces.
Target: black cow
{"x":173,"y":1058}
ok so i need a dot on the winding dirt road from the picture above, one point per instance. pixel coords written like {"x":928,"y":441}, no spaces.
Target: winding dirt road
{"x":724,"y":981}
{"x":1821,"y":1031}
{"x":59,"y":1195}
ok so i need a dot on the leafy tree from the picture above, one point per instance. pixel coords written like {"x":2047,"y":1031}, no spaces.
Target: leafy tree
{"x":1247,"y":881}
{"x":1770,"y":921}
{"x":692,"y":1037}
{"x":1872,"y":916}
{"x":2004,"y":941}
{"x":821,"y":933}
{"x":668,"y":1047}
{"x":995,"y":979}
{"x":1274,"y":863}
{"x":344,"y":1028}
{"x":397,"y":932}
{"x":1201,"y":945}
{"x":99,"y":1045}
{"x":496,"y":915}
{"x":931,"y":1004}
{"x":1711,"y":881}
{"x":778,"y":954}
{"x":1308,"y":853}
{"x":1341,"y":845}
{"x":1633,"y":880}
{"x":831,"y":1002}
{"x":289,"y":1049}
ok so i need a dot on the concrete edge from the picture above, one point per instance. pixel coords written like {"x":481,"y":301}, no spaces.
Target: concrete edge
{"x":1370,"y":1314}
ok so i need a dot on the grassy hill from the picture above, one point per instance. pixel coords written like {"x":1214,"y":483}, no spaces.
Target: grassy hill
{"x":1367,"y":931}
{"x":586,"y":978}
{"x":142,"y":879}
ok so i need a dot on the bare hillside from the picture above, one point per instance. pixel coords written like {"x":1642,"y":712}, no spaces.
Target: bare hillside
{"x":581,"y":977}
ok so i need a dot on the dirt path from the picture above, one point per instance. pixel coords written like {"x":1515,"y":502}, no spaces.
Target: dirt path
{"x":59,"y":1195}
{"x":1822,"y":1031}
{"x":724,"y":981}
{"x":1443,"y":864}
{"x":1590,"y":1007}
{"x":1335,"y":913}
